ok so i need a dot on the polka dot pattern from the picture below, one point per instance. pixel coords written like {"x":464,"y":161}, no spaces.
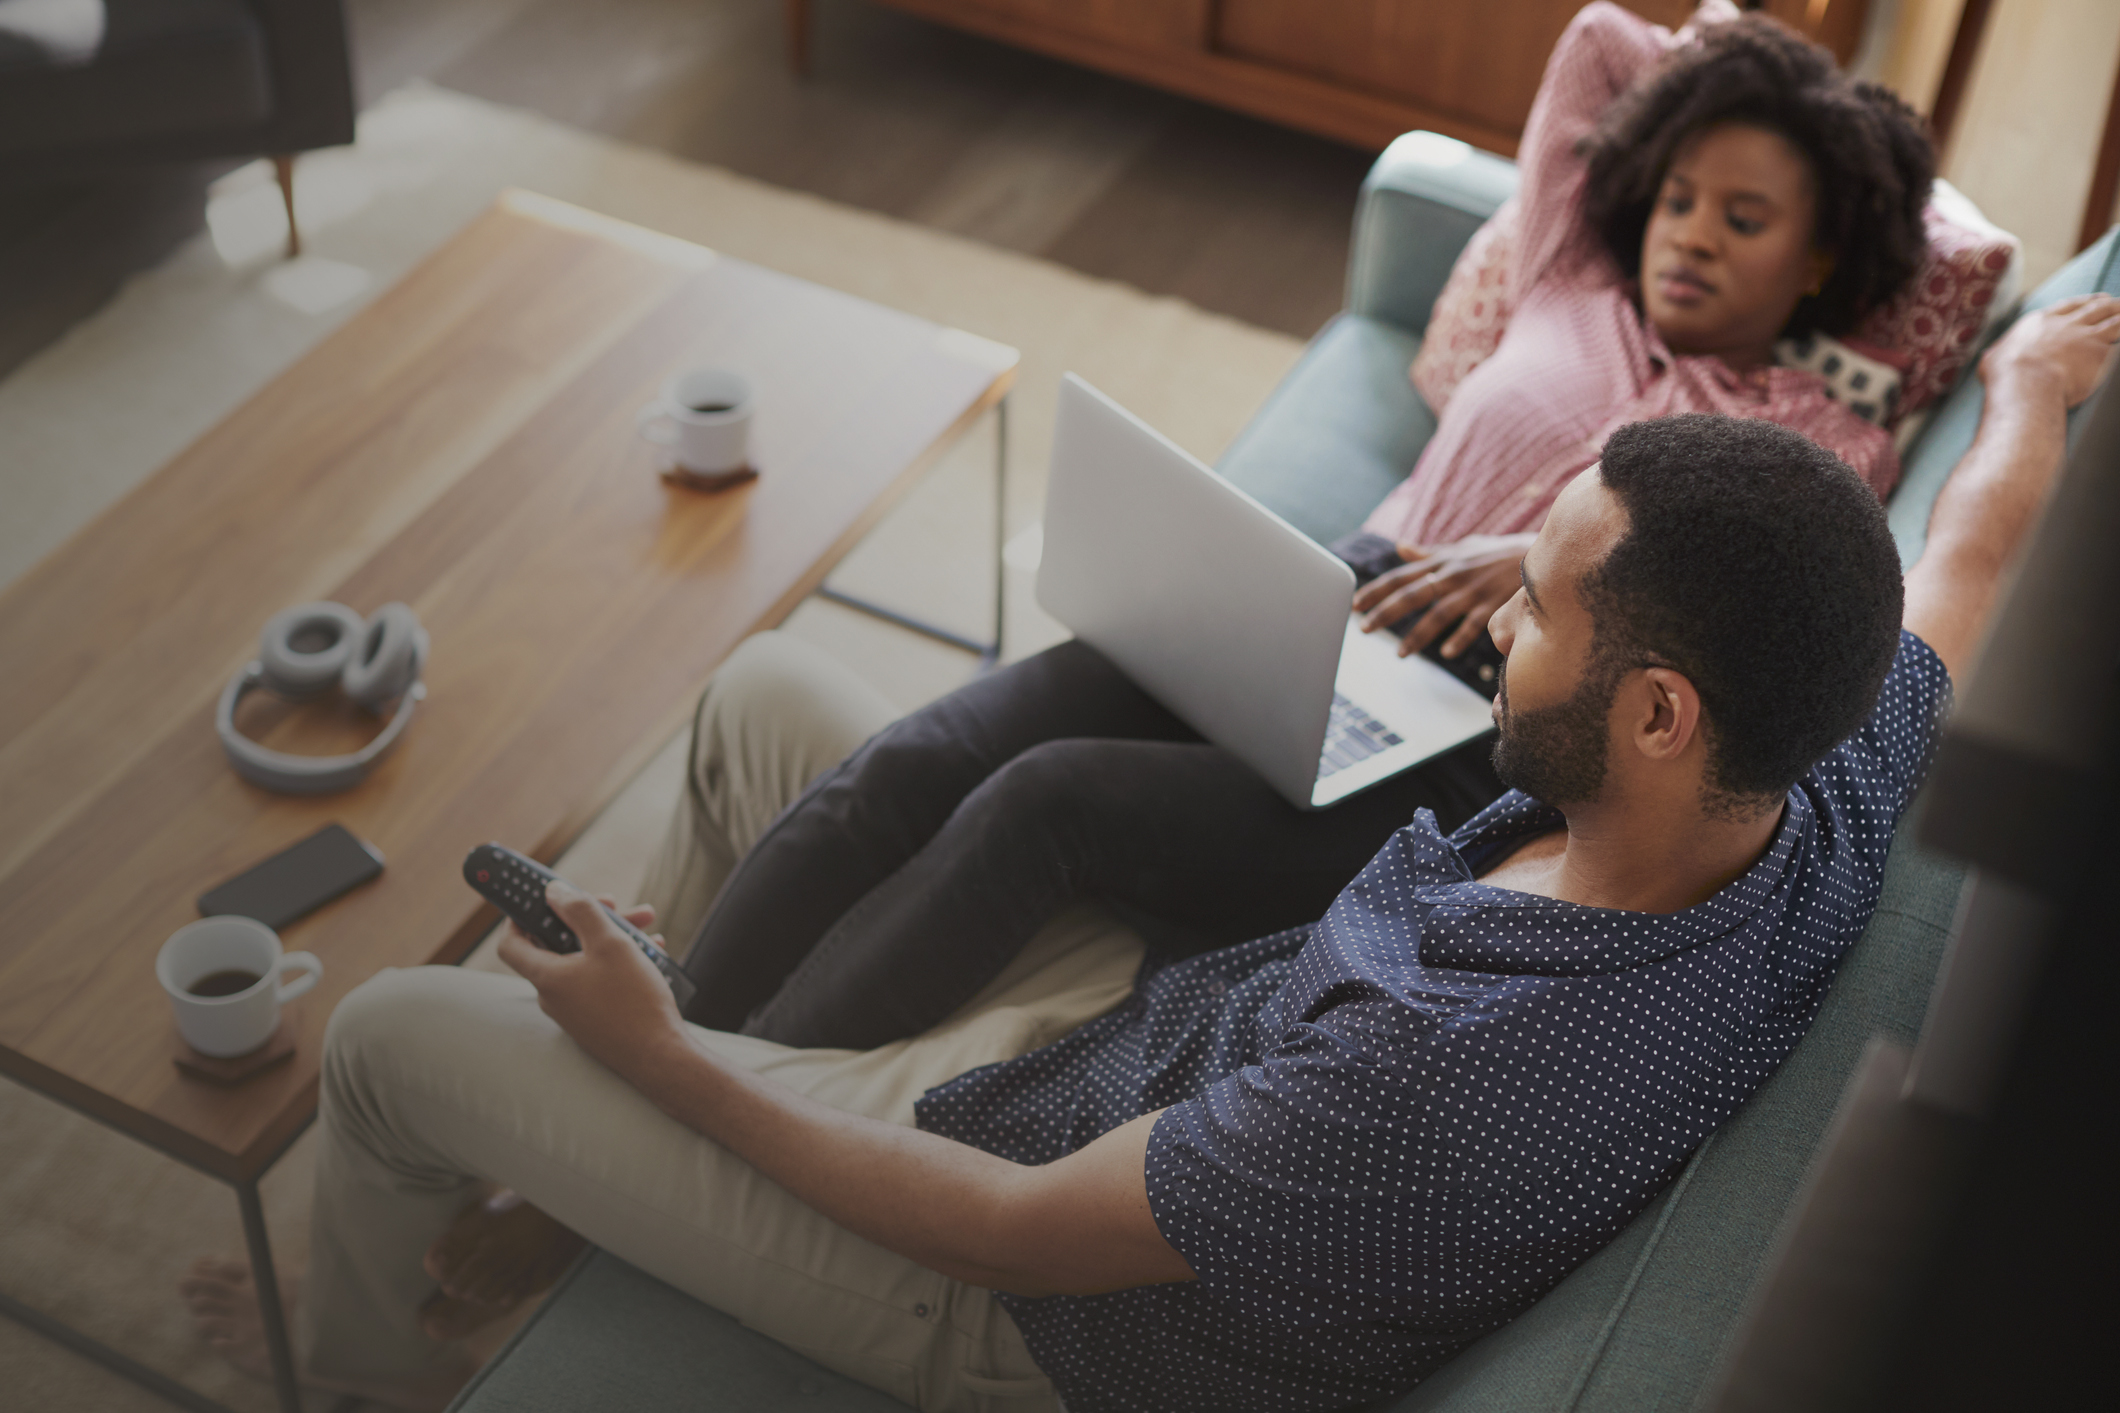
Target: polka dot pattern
{"x":1389,"y":1132}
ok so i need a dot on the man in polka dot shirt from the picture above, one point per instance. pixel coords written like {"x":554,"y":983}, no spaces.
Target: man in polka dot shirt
{"x":1301,"y":1172}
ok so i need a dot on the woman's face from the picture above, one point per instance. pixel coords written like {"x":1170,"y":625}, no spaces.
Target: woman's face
{"x":1728,"y":253}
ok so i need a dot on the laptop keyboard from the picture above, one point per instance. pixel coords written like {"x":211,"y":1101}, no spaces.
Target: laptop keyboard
{"x":1352,"y":734}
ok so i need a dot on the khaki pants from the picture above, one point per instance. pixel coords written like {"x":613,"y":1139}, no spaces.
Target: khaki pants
{"x":435,"y":1078}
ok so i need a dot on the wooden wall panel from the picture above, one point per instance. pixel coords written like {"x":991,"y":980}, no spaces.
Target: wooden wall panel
{"x":1478,"y":62}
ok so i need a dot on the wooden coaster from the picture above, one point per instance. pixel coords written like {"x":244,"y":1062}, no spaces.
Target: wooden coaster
{"x":236,"y":1068}
{"x":699,"y":481}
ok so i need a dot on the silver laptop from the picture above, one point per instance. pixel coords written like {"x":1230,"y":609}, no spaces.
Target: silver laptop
{"x":1230,"y":616}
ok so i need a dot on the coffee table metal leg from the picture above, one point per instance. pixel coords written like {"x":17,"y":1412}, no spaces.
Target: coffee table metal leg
{"x":262,"y":1273}
{"x":993,"y":655}
{"x":988,"y":652}
{"x":266,"y":1281}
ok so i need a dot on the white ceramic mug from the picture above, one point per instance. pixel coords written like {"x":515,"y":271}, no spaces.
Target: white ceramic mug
{"x":239,"y":1021}
{"x":704,"y":418}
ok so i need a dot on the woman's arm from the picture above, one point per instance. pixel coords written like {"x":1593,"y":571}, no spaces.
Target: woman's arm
{"x":1603,"y":50}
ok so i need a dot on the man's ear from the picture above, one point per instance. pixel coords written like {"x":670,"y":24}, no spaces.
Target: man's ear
{"x":1668,"y":716}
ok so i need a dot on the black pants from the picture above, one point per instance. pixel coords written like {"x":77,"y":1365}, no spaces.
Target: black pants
{"x":908,"y":876}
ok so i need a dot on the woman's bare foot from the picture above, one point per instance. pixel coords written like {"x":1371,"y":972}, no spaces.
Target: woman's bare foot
{"x":498,"y":1253}
{"x":224,"y":1306}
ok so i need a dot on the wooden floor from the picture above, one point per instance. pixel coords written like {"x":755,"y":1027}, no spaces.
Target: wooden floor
{"x":897,"y":116}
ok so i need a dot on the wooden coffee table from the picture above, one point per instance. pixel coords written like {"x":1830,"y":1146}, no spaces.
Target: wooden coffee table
{"x":466,"y":445}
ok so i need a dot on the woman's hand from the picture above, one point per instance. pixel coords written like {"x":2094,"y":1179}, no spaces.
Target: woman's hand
{"x":607,"y":996}
{"x":2062,"y":349}
{"x":1462,"y":583}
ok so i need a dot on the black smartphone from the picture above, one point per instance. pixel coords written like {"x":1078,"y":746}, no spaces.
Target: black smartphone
{"x":297,"y":880}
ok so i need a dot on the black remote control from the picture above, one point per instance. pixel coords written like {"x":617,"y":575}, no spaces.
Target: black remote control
{"x":516,"y":886}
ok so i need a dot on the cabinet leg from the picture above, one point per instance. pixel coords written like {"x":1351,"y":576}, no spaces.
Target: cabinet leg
{"x":798,"y":17}
{"x":283,"y":168}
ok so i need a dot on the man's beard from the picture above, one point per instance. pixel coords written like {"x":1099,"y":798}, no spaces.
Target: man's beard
{"x":1557,"y":753}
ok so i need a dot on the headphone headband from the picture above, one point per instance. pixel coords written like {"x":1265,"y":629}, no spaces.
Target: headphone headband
{"x":303,"y":651}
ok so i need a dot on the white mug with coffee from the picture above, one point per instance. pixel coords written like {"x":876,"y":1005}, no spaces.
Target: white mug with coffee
{"x":704,"y":419}
{"x":224,"y":977}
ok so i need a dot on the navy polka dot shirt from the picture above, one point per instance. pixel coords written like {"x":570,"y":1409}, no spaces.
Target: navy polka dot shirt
{"x":1388,"y":1133}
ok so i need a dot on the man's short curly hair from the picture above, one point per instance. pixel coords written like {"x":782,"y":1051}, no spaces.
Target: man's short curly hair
{"x":1870,"y":157}
{"x":1759,"y":565}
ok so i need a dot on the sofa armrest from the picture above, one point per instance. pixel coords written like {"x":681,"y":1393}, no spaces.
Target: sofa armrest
{"x":1420,"y":203}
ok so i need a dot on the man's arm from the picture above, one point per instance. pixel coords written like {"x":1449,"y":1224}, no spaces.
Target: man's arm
{"x":2047,"y":363}
{"x":1078,"y":1226}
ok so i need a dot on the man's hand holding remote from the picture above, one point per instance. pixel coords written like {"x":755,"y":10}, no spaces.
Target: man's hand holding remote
{"x":607,"y":996}
{"x":1079,"y":1225}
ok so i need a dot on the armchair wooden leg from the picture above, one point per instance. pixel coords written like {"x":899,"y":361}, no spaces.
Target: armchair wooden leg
{"x":283,"y":168}
{"x":798,"y":16}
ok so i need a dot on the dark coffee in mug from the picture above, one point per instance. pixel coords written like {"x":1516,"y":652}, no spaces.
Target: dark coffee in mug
{"x":703,"y":418}
{"x":223,"y":983}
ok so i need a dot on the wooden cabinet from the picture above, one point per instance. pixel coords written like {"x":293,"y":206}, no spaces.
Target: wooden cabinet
{"x":1361,"y":71}
{"x":1163,"y":24}
{"x":1479,"y":63}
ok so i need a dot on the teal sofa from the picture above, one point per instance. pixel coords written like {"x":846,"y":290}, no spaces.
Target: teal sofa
{"x":1641,"y":1325}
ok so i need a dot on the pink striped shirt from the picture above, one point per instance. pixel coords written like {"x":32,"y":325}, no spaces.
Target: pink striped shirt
{"x":1578,"y":359}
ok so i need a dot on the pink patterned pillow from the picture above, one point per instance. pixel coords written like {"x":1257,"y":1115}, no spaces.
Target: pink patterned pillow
{"x":1472,"y":311}
{"x":1967,"y":283}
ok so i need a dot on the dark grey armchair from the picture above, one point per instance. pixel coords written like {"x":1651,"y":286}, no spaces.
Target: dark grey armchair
{"x":172,"y":80}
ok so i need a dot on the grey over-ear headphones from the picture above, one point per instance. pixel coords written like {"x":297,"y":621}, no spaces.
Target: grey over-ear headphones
{"x":302,"y":653}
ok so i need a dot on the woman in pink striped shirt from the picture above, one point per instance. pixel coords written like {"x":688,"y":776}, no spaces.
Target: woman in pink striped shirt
{"x":1687,"y":201}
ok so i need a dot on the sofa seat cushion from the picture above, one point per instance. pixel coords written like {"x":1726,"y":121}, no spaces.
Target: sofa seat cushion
{"x":1339,"y":432}
{"x":166,"y":69}
{"x":615,"y":1339}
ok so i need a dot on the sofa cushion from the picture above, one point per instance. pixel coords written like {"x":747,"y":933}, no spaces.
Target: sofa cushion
{"x":613,"y":1338}
{"x":1962,"y":294}
{"x":166,"y":69}
{"x":1340,"y":431}
{"x":1471,"y":313}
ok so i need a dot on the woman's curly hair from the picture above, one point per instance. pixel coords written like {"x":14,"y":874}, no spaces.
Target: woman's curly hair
{"x":1870,"y":156}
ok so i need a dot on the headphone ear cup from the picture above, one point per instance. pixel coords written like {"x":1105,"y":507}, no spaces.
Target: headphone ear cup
{"x":388,"y":655}
{"x":304,"y":649}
